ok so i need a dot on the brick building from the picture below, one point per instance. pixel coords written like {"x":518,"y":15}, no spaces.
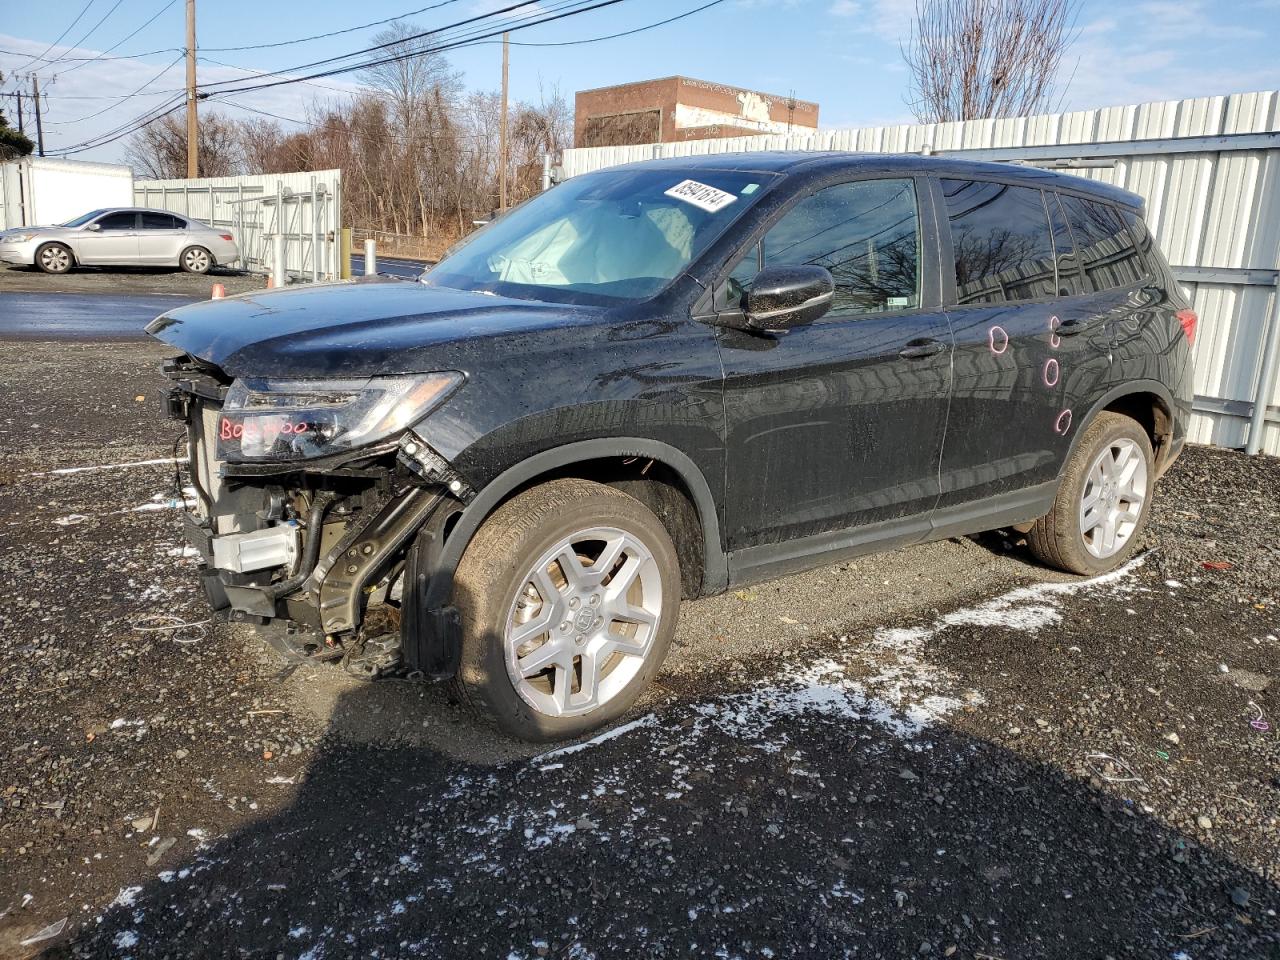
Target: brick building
{"x":680,"y":108}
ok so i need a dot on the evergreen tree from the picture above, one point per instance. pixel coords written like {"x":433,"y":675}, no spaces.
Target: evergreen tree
{"x":12,"y":143}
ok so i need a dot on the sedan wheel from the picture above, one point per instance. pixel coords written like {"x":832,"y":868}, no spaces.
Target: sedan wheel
{"x":567,"y":596}
{"x":54,"y":258}
{"x":196,"y":260}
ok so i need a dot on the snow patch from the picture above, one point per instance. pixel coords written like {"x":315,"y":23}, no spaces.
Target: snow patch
{"x":647,"y":720}
{"x":126,"y":897}
{"x":125,"y":940}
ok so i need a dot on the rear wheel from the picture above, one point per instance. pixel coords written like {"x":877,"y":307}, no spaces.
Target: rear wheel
{"x":196,"y":260}
{"x":54,"y":258}
{"x":1103,"y":502}
{"x":568,"y":597}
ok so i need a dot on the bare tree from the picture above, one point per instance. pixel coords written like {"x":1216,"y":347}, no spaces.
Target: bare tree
{"x":159,"y":150}
{"x":971,"y":59}
{"x":416,"y":77}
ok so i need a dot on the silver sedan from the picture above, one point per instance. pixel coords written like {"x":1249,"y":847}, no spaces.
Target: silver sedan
{"x":121,"y":236}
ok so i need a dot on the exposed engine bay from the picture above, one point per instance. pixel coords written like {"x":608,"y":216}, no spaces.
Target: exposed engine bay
{"x":318,"y":514}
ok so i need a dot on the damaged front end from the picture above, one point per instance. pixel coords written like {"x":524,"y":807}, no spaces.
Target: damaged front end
{"x":319,"y":512}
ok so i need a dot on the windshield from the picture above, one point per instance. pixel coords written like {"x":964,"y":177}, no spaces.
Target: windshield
{"x":613,"y":235}
{"x":82,"y":220}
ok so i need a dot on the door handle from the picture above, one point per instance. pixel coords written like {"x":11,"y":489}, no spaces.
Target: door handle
{"x":1069,"y":328}
{"x":919,"y":349}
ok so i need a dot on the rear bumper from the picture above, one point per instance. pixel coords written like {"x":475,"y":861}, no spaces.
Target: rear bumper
{"x":224,"y":253}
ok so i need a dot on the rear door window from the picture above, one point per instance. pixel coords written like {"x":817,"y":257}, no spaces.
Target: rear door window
{"x":1002,"y":241}
{"x":866,"y":232}
{"x":1104,"y":245}
{"x":160,"y":221}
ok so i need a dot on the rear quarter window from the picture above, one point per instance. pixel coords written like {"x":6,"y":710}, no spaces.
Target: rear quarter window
{"x":1105,"y":247}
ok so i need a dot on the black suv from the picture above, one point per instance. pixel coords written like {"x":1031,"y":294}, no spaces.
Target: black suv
{"x":665,"y":379}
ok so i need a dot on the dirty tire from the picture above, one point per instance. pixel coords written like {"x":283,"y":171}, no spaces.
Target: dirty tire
{"x":196,"y":260}
{"x":494,"y":569}
{"x":1056,"y":538}
{"x":54,"y":258}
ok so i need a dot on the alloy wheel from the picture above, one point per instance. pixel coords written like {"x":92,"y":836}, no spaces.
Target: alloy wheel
{"x":1115,"y":492}
{"x":583,"y":621}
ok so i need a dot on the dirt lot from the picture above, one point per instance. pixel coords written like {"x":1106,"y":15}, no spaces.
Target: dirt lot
{"x":122,"y":280}
{"x":943,"y":752}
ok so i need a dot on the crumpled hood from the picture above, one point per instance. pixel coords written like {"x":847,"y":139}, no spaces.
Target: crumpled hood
{"x":350,"y":329}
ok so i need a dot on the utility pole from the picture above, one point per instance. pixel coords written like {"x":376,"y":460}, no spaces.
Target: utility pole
{"x":502,"y":130}
{"x":193,"y":127}
{"x":18,"y":94}
{"x":35,"y":97}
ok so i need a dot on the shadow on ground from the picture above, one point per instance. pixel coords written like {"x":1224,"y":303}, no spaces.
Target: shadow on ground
{"x":704,"y":829}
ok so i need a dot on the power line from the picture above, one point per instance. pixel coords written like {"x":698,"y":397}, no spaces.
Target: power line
{"x":615,"y":36}
{"x":537,"y":17}
{"x":167,"y":67}
{"x":85,"y":61}
{"x":98,"y":56}
{"x":332,"y":33}
{"x":423,"y":50}
{"x":86,"y":36}
{"x":261,"y":73}
{"x":82,"y":12}
{"x":158,"y":113}
{"x":132,"y":126}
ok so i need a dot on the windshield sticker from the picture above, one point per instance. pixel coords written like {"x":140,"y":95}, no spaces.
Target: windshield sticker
{"x":701,"y":196}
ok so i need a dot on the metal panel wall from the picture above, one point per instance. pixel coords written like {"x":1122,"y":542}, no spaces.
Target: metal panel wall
{"x":1214,"y":211}
{"x":304,"y":207}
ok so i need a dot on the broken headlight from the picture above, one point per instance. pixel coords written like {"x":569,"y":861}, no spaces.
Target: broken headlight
{"x":273,"y":419}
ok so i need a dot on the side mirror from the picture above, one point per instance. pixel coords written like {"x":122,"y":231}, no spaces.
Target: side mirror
{"x":788,"y":296}
{"x":95,"y":227}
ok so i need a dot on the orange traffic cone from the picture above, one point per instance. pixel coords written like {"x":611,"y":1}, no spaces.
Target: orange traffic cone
{"x":218,"y":292}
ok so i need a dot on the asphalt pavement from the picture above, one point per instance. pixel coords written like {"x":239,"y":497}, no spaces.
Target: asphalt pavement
{"x":410,"y":269}
{"x":81,"y":316}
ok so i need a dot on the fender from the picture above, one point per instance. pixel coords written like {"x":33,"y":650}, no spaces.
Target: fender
{"x":1128,"y":388}
{"x":715,"y":567}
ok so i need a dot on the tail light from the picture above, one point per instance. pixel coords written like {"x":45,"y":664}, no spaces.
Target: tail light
{"x":1188,"y":319}
{"x":229,"y":237}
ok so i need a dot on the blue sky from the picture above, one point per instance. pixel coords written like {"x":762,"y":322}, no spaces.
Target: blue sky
{"x":842,"y":53}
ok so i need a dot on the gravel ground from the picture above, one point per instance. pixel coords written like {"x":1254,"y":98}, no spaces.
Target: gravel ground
{"x":118,"y":280}
{"x":941,"y":752}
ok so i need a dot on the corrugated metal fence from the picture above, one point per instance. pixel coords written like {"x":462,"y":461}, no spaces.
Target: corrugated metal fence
{"x":303,"y":207}
{"x":1209,"y":169}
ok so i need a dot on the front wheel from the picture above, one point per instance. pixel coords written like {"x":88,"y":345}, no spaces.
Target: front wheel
{"x":568,"y":597}
{"x":196,"y":260}
{"x":1104,"y":500}
{"x":54,"y":258}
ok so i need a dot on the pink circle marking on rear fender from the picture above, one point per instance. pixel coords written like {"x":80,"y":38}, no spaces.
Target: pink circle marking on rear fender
{"x":1055,"y":341}
{"x":998,"y":339}
{"x":1050,"y":372}
{"x":1063,"y":423}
